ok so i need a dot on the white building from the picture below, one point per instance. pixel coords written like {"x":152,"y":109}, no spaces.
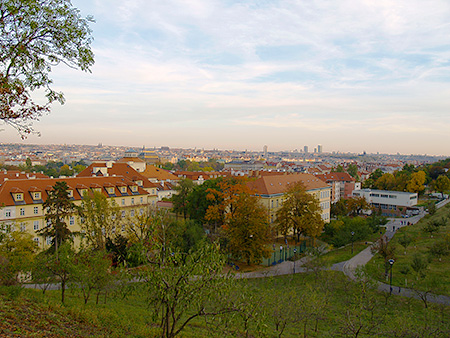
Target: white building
{"x":390,"y":203}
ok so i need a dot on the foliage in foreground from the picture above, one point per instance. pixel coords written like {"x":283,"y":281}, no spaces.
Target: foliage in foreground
{"x":302,"y":305}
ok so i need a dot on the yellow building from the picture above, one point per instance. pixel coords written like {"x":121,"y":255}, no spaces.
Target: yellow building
{"x":271,"y":189}
{"x":21,"y":200}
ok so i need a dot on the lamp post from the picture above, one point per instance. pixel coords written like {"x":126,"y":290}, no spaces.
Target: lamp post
{"x":295,"y":253}
{"x":353,"y":233}
{"x":391,"y":262}
{"x":281,"y":252}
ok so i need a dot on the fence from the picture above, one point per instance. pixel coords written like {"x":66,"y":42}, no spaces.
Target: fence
{"x":284,"y":253}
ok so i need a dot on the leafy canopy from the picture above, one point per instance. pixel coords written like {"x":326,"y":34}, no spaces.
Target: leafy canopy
{"x":36,"y":35}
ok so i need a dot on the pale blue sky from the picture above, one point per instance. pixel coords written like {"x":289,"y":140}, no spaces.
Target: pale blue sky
{"x":352,"y":75}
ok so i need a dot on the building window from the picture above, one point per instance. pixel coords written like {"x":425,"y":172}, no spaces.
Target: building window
{"x":71,"y":220}
{"x":49,"y":240}
{"x":141,"y":212}
{"x":36,"y":210}
{"x":123,"y":201}
{"x":36,"y":225}
{"x":132,"y":201}
{"x":142,"y":200}
{"x":8,"y":213}
{"x":22,"y":211}
{"x":123,"y":214}
{"x":36,"y":240}
{"x":23,"y":227}
{"x":18,"y":197}
{"x":36,"y":195}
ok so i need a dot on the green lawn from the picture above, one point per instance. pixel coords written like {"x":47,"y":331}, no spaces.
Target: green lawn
{"x":325,"y":304}
{"x":437,"y":271}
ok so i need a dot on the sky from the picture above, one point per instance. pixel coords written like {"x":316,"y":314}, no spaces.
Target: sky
{"x":351,"y":75}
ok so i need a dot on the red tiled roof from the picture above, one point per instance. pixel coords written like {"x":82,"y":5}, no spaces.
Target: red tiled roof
{"x":278,"y":184}
{"x":46,"y":184}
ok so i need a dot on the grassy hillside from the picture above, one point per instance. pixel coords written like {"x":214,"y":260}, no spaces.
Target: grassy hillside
{"x":437,"y":267}
{"x":321,"y":304}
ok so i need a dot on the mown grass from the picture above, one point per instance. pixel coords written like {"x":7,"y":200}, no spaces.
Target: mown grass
{"x":325,"y":304}
{"x":345,"y":253}
{"x":437,"y":271}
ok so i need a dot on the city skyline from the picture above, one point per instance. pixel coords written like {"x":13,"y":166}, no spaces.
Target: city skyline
{"x":350,"y":76}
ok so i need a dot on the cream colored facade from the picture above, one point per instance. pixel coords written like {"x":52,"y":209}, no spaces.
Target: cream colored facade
{"x":22,"y":202}
{"x":271,"y":191}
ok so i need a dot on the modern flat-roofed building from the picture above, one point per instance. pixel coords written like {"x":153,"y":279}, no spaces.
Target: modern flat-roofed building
{"x":389,"y":203}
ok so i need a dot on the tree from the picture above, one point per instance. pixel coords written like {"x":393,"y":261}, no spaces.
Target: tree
{"x":180,"y":199}
{"x":182,"y":287}
{"x":356,"y":205}
{"x":405,"y":240}
{"x":247,"y":230}
{"x":100,"y":219}
{"x":199,"y":200}
{"x":386,"y":250}
{"x":416,"y":182}
{"x":352,"y":170}
{"x":300,"y":212}
{"x":442,"y":184}
{"x":36,"y":35}
{"x":58,"y":206}
{"x":385,"y":182}
{"x":17,"y":252}
{"x":91,"y":273}
{"x":61,"y":265}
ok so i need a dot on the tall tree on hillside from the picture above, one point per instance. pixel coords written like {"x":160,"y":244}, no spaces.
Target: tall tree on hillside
{"x":223,"y":199}
{"x":58,"y":207}
{"x":35,"y":36}
{"x":198,"y":201}
{"x":180,"y":199}
{"x":385,"y":182}
{"x":416,"y":182}
{"x":247,"y":230}
{"x":353,"y":171}
{"x":300,"y":212}
{"x":100,"y":219}
{"x":442,"y":184}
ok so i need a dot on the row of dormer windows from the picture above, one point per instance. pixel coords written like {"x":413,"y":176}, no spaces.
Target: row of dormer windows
{"x":18,"y":197}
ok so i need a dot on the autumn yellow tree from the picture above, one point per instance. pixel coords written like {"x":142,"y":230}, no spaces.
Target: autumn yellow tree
{"x":300,"y":213}
{"x":416,"y":182}
{"x":242,"y":218}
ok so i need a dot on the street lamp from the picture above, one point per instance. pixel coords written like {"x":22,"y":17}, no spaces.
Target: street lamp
{"x":295,"y":253}
{"x":391,"y":262}
{"x":353,"y":233}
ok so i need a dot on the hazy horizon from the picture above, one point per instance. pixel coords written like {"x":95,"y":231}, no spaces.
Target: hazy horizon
{"x":351,"y":76}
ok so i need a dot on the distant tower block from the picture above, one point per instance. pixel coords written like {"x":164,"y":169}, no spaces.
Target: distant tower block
{"x":305,"y":149}
{"x":265,"y":151}
{"x":319,"y":148}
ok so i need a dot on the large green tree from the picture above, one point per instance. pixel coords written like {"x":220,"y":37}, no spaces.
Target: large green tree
{"x":181,"y":287}
{"x":246,"y":229}
{"x":100,"y":219}
{"x":442,"y":184}
{"x":300,"y":213}
{"x":180,"y":199}
{"x":37,"y":35}
{"x":58,"y":207}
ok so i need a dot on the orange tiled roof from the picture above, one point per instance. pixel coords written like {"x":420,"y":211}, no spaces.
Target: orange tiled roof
{"x":160,"y":174}
{"x":117,"y":169}
{"x":278,"y":184}
{"x":19,"y":175}
{"x":46,"y":184}
{"x":335,"y":176}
